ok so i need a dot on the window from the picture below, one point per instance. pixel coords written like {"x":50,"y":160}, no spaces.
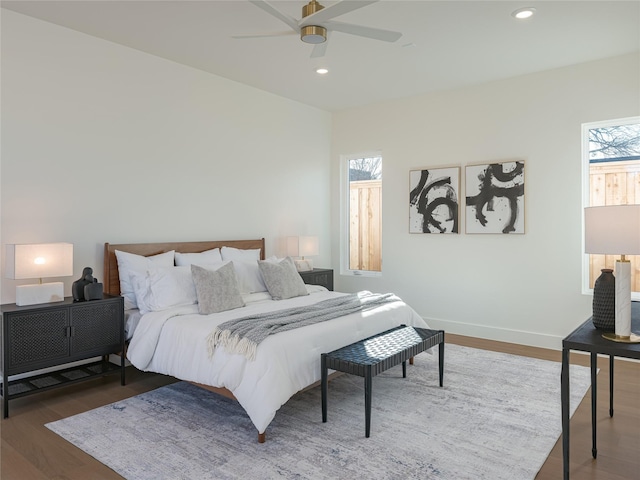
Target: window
{"x":362,"y":215}
{"x":611,"y":166}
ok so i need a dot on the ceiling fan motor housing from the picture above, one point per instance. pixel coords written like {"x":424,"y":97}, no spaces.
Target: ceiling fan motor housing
{"x":312,"y":7}
{"x":312,"y":33}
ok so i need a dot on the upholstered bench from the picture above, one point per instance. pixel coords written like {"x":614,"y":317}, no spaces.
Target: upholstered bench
{"x":371,"y":356}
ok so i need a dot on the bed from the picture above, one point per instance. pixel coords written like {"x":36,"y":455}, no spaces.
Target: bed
{"x":175,"y":340}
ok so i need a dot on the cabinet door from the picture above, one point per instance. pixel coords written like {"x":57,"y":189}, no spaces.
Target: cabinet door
{"x":323,"y":278}
{"x":95,"y":328}
{"x":36,"y":339}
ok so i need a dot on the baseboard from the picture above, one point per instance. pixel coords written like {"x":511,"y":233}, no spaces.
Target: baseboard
{"x":521,"y":337}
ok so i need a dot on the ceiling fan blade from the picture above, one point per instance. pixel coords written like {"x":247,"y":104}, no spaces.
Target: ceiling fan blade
{"x":320,"y":49}
{"x":273,"y":11}
{"x":333,"y":11}
{"x":362,"y":31}
{"x":263,"y":35}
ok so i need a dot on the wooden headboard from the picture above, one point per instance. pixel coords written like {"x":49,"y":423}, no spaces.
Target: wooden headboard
{"x":112,"y":280}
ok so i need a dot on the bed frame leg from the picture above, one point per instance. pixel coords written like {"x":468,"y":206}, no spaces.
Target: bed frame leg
{"x":261,"y":437}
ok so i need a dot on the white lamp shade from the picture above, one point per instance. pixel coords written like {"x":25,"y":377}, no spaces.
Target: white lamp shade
{"x":302,"y":246}
{"x":39,"y":260}
{"x":612,"y":230}
{"x":308,"y":246}
{"x":292,"y":246}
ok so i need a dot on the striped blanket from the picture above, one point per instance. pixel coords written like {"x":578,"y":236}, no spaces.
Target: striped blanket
{"x":243,"y":335}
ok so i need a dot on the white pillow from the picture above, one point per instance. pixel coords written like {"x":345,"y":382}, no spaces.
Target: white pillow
{"x":128,"y":263}
{"x":249,"y":277}
{"x":230,"y":253}
{"x":164,"y":287}
{"x":140,"y":285}
{"x":203,"y":258}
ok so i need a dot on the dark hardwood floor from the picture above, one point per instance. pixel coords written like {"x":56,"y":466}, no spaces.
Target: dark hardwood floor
{"x":29,"y":450}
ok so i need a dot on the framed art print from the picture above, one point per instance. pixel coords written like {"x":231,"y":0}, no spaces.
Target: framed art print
{"x":434,"y":200}
{"x":495,"y":198}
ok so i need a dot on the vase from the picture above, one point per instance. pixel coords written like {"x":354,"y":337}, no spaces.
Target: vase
{"x":604,"y":301}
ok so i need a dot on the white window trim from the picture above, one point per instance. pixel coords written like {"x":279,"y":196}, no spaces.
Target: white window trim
{"x":586,"y":290}
{"x":345,"y":215}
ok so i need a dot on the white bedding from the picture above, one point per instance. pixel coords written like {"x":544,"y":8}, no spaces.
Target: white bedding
{"x":173,"y":342}
{"x":131,"y":320}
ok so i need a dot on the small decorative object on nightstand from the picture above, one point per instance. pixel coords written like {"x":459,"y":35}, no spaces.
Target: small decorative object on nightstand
{"x":318,"y":276}
{"x":77,"y":289}
{"x":93,"y":291}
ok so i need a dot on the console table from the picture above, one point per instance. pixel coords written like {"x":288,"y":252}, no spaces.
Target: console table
{"x":587,"y":338}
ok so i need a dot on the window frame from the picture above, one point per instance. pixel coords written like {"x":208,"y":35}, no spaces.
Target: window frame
{"x":586,"y":191}
{"x":345,"y":213}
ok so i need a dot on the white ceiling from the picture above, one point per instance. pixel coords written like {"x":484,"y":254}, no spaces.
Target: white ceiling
{"x":445,"y":44}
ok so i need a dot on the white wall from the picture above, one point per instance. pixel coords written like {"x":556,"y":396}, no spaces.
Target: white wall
{"x":517,"y":288}
{"x":102,"y":143}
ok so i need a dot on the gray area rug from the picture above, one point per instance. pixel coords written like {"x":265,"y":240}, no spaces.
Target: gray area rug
{"x":497,"y":417}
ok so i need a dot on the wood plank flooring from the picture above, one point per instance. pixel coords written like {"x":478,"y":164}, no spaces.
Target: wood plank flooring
{"x":29,"y":450}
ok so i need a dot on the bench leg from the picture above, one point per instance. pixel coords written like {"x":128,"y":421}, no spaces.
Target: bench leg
{"x":441,"y":366}
{"x":367,"y":400}
{"x":404,"y":369}
{"x":323,"y":379}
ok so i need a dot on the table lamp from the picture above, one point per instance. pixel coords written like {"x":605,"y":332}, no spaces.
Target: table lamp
{"x":39,"y":261}
{"x":302,"y":246}
{"x":615,"y":230}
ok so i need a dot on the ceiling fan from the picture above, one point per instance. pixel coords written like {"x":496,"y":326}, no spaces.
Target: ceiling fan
{"x":317,"y":22}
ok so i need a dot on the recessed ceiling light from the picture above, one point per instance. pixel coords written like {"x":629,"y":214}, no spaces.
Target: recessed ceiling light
{"x":322,"y":71}
{"x":523,"y":13}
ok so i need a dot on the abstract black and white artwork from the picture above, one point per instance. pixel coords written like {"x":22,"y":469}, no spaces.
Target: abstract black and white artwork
{"x":434,"y":200}
{"x":495,"y":198}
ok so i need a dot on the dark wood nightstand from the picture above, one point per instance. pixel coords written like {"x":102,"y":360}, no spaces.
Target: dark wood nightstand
{"x":42,"y":336}
{"x":319,"y":276}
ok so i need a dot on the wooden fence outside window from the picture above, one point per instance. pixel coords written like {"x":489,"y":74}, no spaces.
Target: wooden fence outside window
{"x":365,"y":225}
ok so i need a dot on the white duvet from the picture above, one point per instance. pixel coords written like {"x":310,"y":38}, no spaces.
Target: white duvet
{"x":174,"y":342}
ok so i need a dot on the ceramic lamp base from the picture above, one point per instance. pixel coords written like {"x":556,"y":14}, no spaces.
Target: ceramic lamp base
{"x":39,"y":293}
{"x":304,"y":265}
{"x":623,"y":298}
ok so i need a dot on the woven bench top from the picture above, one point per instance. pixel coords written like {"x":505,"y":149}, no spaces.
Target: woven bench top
{"x":384,"y":349}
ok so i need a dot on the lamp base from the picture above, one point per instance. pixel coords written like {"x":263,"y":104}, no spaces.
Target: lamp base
{"x":633,"y":338}
{"x":39,"y":293}
{"x":304,"y":265}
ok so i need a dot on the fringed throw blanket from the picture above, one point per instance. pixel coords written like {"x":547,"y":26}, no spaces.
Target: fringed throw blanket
{"x":243,"y":335}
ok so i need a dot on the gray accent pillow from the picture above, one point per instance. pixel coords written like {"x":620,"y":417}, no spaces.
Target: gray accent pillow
{"x":217,"y":290}
{"x":282,"y":279}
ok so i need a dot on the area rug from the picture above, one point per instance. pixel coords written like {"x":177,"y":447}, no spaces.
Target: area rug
{"x":497,"y":417}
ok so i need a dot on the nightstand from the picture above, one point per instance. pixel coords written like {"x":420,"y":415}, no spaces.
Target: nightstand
{"x":319,"y":276}
{"x":42,"y":336}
